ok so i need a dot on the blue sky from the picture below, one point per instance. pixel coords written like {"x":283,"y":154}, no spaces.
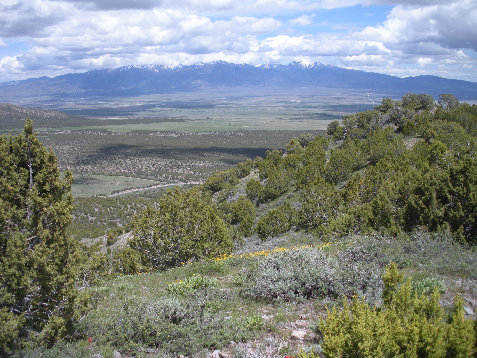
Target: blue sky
{"x":402,"y":37}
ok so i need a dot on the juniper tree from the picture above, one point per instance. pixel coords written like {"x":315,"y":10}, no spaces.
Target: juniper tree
{"x":184,"y":226}
{"x":37,"y":260}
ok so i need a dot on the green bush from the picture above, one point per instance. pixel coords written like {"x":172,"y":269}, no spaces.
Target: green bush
{"x":409,"y":325}
{"x":185,"y":226}
{"x":272,"y":162}
{"x":127,"y":261}
{"x":312,"y":162}
{"x":254,"y":189}
{"x":254,"y":322}
{"x":359,"y":125}
{"x":383,"y":143}
{"x":428,"y":285}
{"x":344,"y":160}
{"x":221,"y":180}
{"x":276,"y":222}
{"x":184,"y":287}
{"x":332,"y":128}
{"x":418,"y":102}
{"x":320,"y":202}
{"x":244,"y":168}
{"x":277,"y":183}
{"x":242,"y":214}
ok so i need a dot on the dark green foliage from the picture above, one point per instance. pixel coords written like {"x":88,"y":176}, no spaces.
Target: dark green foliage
{"x":454,"y":136}
{"x":447,"y":101}
{"x":464,"y":114}
{"x":332,"y":128}
{"x":185,"y":226}
{"x":382,"y":182}
{"x":335,"y":131}
{"x":418,"y":102}
{"x":242,"y":214}
{"x":244,"y":168}
{"x":383,"y":143}
{"x":408,"y":324}
{"x":277,"y":183}
{"x":311,"y":165}
{"x":320,"y":203}
{"x":387,"y":104}
{"x":305,"y":139}
{"x":39,"y":264}
{"x":127,"y":261}
{"x":359,"y":125}
{"x":254,"y":189}
{"x":294,"y":147}
{"x":220,"y":180}
{"x":272,"y":163}
{"x":292,"y":158}
{"x":344,"y":160}
{"x":272,"y":170}
{"x":442,"y":195}
{"x":276,"y":222}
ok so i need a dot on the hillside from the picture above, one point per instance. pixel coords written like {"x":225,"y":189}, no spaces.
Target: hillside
{"x":12,"y":118}
{"x":141,"y":80}
{"x":287,"y":255}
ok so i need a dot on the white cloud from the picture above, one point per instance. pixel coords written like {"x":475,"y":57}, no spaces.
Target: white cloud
{"x":423,"y":61}
{"x":11,"y":69}
{"x":254,"y":25}
{"x":368,"y":60}
{"x":113,"y":38}
{"x":302,"y":20}
{"x":451,"y":25}
{"x":427,"y":38}
{"x":322,"y":45}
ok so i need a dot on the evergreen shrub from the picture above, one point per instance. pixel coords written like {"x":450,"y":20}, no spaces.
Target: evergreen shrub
{"x":407,"y":325}
{"x":185,"y":226}
{"x":276,"y":222}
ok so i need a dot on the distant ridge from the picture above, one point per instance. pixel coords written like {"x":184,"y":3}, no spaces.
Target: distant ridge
{"x":148,"y":79}
{"x":13,"y":117}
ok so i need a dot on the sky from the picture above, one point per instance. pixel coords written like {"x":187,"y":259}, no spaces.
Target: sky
{"x":401,"y":38}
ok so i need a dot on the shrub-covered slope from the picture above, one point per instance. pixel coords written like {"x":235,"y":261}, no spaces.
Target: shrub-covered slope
{"x":256,"y":254}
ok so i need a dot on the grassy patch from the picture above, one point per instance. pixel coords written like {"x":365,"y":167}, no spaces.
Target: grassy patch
{"x":105,"y":185}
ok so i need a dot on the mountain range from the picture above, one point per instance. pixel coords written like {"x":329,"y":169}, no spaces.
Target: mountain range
{"x":150,"y":79}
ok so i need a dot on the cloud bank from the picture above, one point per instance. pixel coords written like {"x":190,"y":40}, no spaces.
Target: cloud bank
{"x":61,"y":36}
